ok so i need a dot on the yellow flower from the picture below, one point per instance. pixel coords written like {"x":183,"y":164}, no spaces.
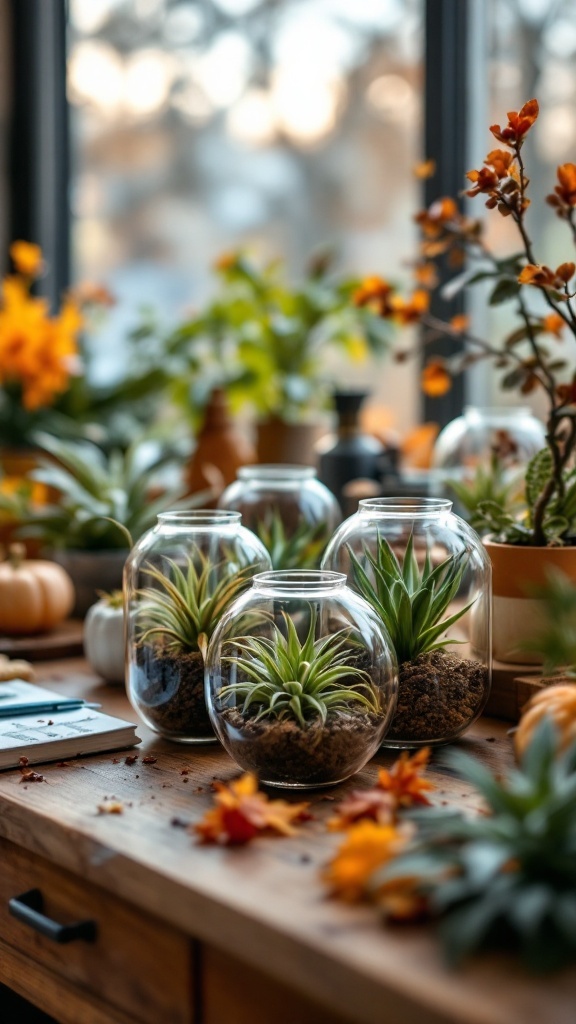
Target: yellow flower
{"x":27,"y":258}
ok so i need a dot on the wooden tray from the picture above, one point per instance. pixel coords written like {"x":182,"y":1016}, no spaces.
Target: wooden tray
{"x":62,"y":642}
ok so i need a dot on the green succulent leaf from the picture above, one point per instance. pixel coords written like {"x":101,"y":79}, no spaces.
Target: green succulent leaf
{"x":280,"y":676}
{"x":410,"y":603}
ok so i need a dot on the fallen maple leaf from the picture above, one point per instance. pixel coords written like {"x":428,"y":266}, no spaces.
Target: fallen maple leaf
{"x":368,"y":804}
{"x":404,"y":779}
{"x":367,"y":847}
{"x":242,"y":811}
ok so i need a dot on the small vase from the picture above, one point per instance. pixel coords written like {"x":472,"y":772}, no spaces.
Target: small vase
{"x":220,"y":446}
{"x":264,"y":718}
{"x":279,"y":441}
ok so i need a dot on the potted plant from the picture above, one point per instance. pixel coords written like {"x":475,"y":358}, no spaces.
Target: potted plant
{"x":264,"y":342}
{"x":522,"y":544}
{"x":104,"y":504}
{"x":301,"y":680}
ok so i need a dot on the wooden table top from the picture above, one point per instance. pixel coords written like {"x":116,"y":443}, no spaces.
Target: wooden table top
{"x":263,"y":903}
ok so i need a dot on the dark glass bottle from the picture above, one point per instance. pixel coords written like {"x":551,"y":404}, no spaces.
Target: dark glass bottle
{"x":349,"y":454}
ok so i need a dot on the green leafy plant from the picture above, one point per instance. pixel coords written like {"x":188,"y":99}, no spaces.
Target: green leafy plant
{"x":505,"y":877}
{"x":290,"y":679}
{"x":104,"y":500}
{"x":491,"y":483}
{"x":185,"y":607}
{"x":265,"y":341}
{"x":409,"y":602}
{"x":516,"y":526}
{"x":302,"y":549}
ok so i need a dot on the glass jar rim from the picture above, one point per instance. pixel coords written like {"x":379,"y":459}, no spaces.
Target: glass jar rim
{"x":298,"y":581}
{"x":276,"y":471}
{"x":410,"y":508}
{"x":199,"y":517}
{"x":506,"y":411}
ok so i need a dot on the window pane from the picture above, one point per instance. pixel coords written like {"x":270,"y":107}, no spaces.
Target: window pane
{"x":204,"y":126}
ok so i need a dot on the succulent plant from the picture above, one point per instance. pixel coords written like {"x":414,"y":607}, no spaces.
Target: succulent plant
{"x":184,"y":609}
{"x":302,"y":549}
{"x":410,"y":603}
{"x":290,"y":679}
{"x":104,"y":500}
{"x":506,"y":876}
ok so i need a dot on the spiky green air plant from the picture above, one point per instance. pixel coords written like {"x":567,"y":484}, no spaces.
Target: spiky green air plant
{"x":302,"y":549}
{"x":411,"y":604}
{"x":185,"y":608}
{"x":505,"y":877}
{"x":302,"y":681}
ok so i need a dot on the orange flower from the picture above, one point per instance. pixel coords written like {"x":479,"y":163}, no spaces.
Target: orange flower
{"x":433,"y":220}
{"x":241,"y":812}
{"x":460,"y":323}
{"x":564,"y":195}
{"x":426,"y":275}
{"x":404,"y":779}
{"x":519,"y":124}
{"x":435,"y":380}
{"x":553,"y":324}
{"x":409,"y":311}
{"x":544,"y":277}
{"x":374,"y":292}
{"x":27,"y":258}
{"x":425,"y":169}
{"x":367,"y":846}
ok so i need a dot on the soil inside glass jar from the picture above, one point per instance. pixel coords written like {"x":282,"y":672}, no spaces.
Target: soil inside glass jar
{"x":439,"y":695}
{"x":173,"y":699}
{"x":282,"y":751}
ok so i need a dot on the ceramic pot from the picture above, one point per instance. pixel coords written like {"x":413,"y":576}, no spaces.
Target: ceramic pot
{"x":220,"y":445}
{"x":91,"y":571}
{"x":277,"y":441}
{"x":517,"y":615}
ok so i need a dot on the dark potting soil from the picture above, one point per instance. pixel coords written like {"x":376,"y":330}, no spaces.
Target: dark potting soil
{"x":282,"y":751}
{"x":439,"y":694}
{"x":172,"y":698}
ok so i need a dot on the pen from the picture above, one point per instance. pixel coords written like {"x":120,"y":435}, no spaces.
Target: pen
{"x":16,"y":710}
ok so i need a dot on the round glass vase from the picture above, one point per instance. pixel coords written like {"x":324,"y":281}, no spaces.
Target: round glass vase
{"x":288,"y":508}
{"x":427,"y":575}
{"x":179,"y":579}
{"x":301,"y":679}
{"x":512,"y":434}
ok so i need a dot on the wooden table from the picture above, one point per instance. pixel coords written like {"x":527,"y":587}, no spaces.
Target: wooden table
{"x":218,"y":936}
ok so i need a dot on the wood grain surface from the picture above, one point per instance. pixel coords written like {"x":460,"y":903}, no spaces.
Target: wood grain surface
{"x":263,"y":905}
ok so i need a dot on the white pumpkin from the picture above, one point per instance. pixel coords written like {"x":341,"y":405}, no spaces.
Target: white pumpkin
{"x":104,"y":637}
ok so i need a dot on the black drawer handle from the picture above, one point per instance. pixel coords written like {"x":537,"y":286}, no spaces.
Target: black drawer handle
{"x":29,"y":909}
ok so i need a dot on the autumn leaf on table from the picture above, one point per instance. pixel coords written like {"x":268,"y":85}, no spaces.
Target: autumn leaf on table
{"x":243,"y":812}
{"x":401,"y":786}
{"x":367,"y":847}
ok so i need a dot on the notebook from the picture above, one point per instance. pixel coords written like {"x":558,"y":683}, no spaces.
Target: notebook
{"x":49,"y":730}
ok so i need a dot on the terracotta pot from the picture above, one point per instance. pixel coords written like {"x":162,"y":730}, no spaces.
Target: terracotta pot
{"x":91,"y":571}
{"x":277,"y":441}
{"x":517,"y":616}
{"x":221,"y":447}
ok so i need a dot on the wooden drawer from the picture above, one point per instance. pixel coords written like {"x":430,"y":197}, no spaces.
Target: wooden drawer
{"x":136,"y":963}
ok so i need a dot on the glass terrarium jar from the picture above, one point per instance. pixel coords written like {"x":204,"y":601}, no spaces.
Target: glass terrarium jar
{"x":511,"y":434}
{"x":427,"y":575}
{"x":178,"y":581}
{"x":301,"y":679}
{"x":288,"y":508}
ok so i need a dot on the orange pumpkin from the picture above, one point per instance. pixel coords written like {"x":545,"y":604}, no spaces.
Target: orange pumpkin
{"x":35,"y":595}
{"x":558,"y":703}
